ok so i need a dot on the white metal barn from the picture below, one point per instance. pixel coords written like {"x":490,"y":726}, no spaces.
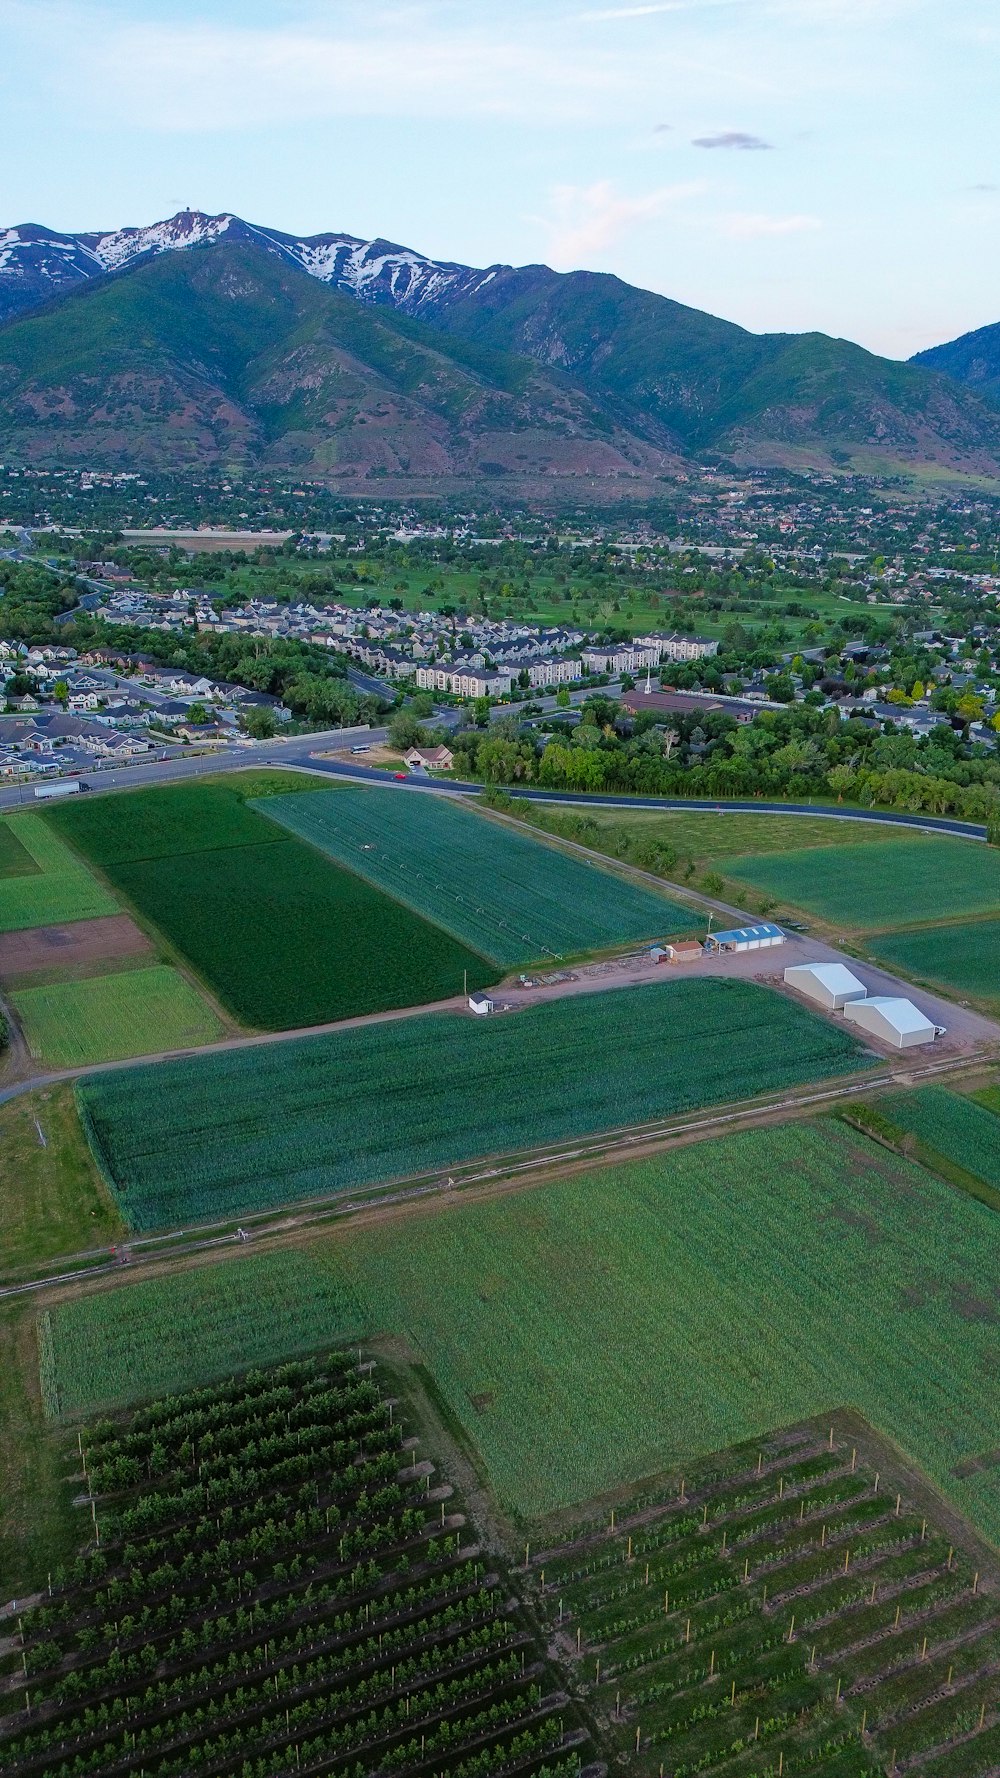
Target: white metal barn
{"x":897,"y":1022}
{"x":745,"y":938}
{"x":831,"y":985}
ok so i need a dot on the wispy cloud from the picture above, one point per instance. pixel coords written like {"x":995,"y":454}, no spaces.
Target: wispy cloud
{"x":754,"y":225}
{"x":738,"y":139}
{"x":585,"y":220}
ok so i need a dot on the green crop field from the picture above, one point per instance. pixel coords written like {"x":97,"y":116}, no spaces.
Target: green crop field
{"x":963,"y":959}
{"x":506,"y":894}
{"x":281,"y":935}
{"x":15,"y":859}
{"x":257,"y":1309}
{"x":956,"y":1128}
{"x":55,"y":888}
{"x":160,"y":822}
{"x":599,"y":1329}
{"x":134,"y":1012}
{"x":249,"y":1129}
{"x":899,"y":883}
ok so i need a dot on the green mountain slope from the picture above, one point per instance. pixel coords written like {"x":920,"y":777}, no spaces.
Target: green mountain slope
{"x":225,"y":354}
{"x":973,"y":359}
{"x":666,"y":371}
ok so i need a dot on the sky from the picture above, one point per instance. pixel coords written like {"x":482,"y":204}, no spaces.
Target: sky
{"x":788,"y":164}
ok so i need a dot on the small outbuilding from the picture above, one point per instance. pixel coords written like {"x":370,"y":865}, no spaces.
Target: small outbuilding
{"x":686,"y":950}
{"x":481,"y":1004}
{"x":830,"y":985}
{"x":896,"y":1022}
{"x":745,"y":938}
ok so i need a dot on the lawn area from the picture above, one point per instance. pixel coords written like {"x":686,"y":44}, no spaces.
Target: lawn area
{"x":895,"y":883}
{"x":133,"y":1012}
{"x":249,"y":1129}
{"x":52,"y":1198}
{"x":58,"y":887}
{"x":601,"y":1328}
{"x":508,"y":895}
{"x":280,"y":934}
{"x":963,"y":959}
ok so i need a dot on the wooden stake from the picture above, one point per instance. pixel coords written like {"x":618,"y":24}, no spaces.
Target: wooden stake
{"x":923,"y":1651}
{"x":612,"y":1521}
{"x":864,"y":1720}
{"x":666,"y":1601}
{"x":872,"y":1599}
{"x":899,"y":1498}
{"x":896,"y":1624}
{"x":647,"y":1574}
{"x":791,"y":1628}
{"x":923,"y":1530}
{"x":982,"y":1714}
{"x":629,"y":1556}
{"x":847,"y":1560}
{"x":682,"y":1487}
{"x":837,"y":1698}
{"x":687,"y":1632}
{"x":950,"y":1672}
{"x":711,"y":1666}
{"x":822,"y":1538}
{"x":781,"y":1487}
{"x":732,"y":1696}
{"x":746,"y":1569}
{"x":854,"y":1460}
{"x":578,"y":1639}
{"x":831,"y":1438}
{"x":975,"y":1581}
{"x":638,"y":1733}
{"x":756,"y":1730}
{"x":876,"y":1481}
{"x":723,"y":1543}
{"x":760,"y":1463}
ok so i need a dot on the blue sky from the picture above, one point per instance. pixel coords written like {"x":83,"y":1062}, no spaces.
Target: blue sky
{"x":789,"y":164}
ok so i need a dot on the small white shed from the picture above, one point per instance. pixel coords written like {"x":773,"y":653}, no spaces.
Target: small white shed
{"x":896,"y":1022}
{"x":481,"y":1004}
{"x":831,"y":985}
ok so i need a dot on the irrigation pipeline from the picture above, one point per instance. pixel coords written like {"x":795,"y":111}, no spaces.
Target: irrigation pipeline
{"x":516,"y":1171}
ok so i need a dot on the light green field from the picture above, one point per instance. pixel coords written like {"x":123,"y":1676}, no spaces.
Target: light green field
{"x":598,"y":1329}
{"x":106,"y":1018}
{"x":963,"y":959}
{"x":901,"y":882}
{"x":708,"y":835}
{"x":61,"y":889}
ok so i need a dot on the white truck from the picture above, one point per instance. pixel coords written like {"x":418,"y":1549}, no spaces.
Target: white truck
{"x":65,"y":787}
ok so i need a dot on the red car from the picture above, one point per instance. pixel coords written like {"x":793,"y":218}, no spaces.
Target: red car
{"x":402,"y":776}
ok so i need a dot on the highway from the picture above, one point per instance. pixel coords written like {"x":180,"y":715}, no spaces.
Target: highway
{"x":302,"y":752}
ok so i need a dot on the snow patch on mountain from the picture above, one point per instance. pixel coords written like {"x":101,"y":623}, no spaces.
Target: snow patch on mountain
{"x":41,"y":261}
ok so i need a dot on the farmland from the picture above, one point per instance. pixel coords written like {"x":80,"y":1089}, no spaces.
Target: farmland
{"x":957,"y":1129}
{"x":281,"y":935}
{"x":105,"y":1018}
{"x":59,"y":888}
{"x":898,"y":883}
{"x":52,"y":1199}
{"x":257,"y":1309}
{"x":963,"y":958}
{"x":601,"y":1328}
{"x":509,"y":896}
{"x":788,"y":1603}
{"x":245,"y":1130}
{"x":323,"y":1607}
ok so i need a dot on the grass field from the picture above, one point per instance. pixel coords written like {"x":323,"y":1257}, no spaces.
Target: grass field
{"x":245,"y":1130}
{"x":709,"y":835}
{"x":52,"y":1198}
{"x":15,"y":859}
{"x":281,"y":935}
{"x":599,"y":1329}
{"x":258,"y":1309}
{"x":59,"y":888}
{"x":506,"y":894}
{"x":952,"y":1126}
{"x":132,"y":1012}
{"x":897,"y":883}
{"x":963,"y":959}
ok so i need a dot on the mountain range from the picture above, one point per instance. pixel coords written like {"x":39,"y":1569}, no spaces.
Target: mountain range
{"x":207,"y":339}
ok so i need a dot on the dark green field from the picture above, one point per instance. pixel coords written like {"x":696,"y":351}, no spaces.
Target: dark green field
{"x":279,"y":933}
{"x":249,"y":1129}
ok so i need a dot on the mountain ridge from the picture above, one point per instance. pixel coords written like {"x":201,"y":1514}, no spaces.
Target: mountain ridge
{"x":664,"y":381}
